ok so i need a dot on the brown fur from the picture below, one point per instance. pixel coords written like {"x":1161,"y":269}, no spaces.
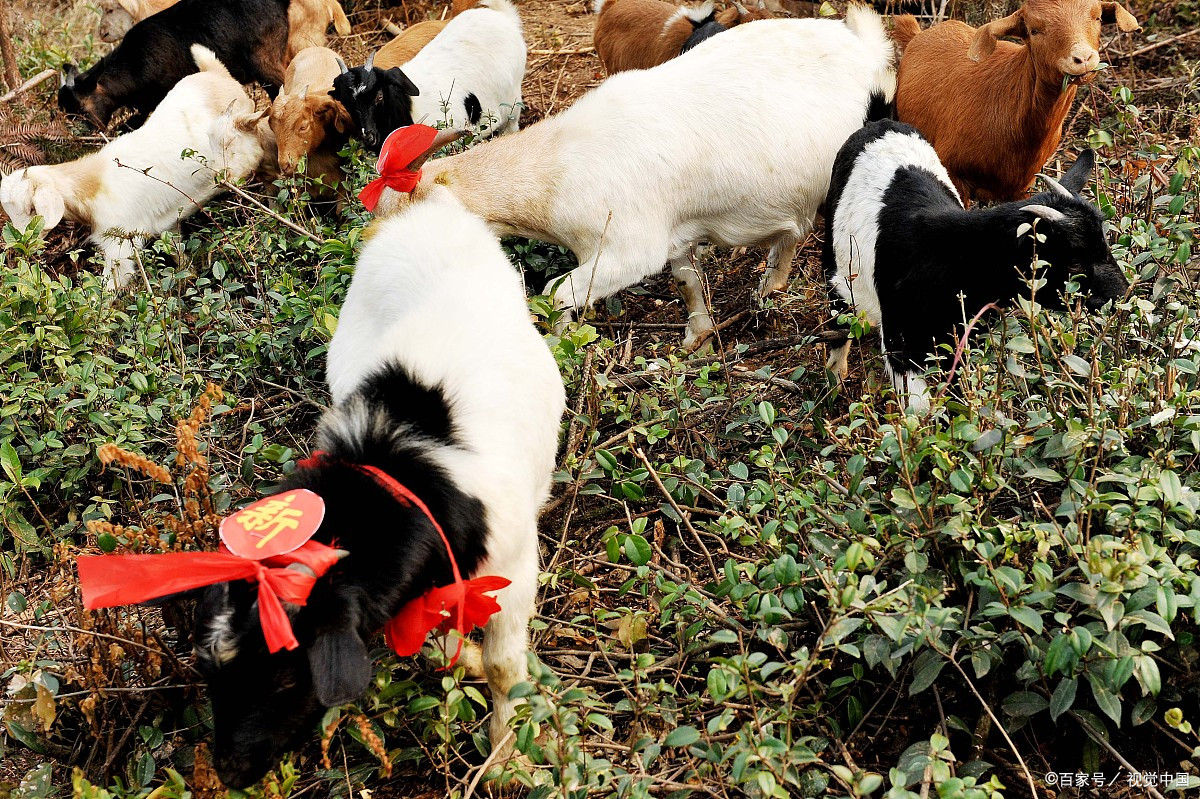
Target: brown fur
{"x":513,"y":201}
{"x":400,"y":51}
{"x":459,"y":6}
{"x":306,"y":121}
{"x":308,"y":20}
{"x":904,"y":30}
{"x":630,"y":34}
{"x":994,"y":110}
{"x":118,"y":16}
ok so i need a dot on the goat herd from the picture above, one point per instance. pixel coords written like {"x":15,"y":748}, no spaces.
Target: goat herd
{"x":730,"y":128}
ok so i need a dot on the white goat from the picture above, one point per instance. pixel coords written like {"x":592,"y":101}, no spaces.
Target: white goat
{"x":732,"y":142}
{"x":468,"y":423}
{"x":470,"y":73}
{"x":139,"y":184}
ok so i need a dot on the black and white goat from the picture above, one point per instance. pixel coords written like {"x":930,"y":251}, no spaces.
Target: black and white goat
{"x":470,"y":74}
{"x":901,"y":249}
{"x":468,"y":423}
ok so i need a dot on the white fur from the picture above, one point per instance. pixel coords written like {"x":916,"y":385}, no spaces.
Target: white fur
{"x":856,"y":233}
{"x":143,"y":184}
{"x":419,"y":275}
{"x":696,"y":14}
{"x":481,"y":52}
{"x":731,"y":143}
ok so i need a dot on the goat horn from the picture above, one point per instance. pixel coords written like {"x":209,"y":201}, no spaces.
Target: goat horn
{"x":342,"y":65}
{"x":341,"y":553}
{"x":1054,"y":184}
{"x":1045,"y":212}
{"x":741,"y":9}
{"x":300,"y":567}
{"x":68,"y":76}
{"x":370,"y":62}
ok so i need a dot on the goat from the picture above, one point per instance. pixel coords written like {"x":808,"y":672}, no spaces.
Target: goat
{"x":404,"y":48}
{"x":993,"y":110}
{"x":306,"y":121}
{"x":118,"y":16}
{"x":138,"y":184}
{"x":901,"y":249}
{"x":248,"y":36}
{"x":639,"y":34}
{"x":468,"y":424}
{"x":307,"y":20}
{"x":470,"y":73}
{"x":631,"y":176}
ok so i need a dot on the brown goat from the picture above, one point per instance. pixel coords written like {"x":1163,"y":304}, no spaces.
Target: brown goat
{"x":118,"y":16}
{"x":994,"y":111}
{"x":639,"y":34}
{"x":400,"y":51}
{"x":306,"y":121}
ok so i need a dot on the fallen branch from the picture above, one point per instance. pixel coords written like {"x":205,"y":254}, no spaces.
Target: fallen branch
{"x":1151,"y":47}
{"x":576,"y":51}
{"x":41,"y":77}
{"x":280,"y":219}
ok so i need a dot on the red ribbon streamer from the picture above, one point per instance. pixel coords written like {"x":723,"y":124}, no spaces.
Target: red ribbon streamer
{"x":461,"y":606}
{"x":111,"y":580}
{"x":398,"y":151}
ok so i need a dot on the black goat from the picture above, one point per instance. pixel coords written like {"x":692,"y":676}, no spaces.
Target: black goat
{"x":248,"y":36}
{"x":901,"y":248}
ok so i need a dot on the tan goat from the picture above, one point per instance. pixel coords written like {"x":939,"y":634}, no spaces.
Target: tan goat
{"x":400,"y":51}
{"x":306,"y":121}
{"x":639,"y":34}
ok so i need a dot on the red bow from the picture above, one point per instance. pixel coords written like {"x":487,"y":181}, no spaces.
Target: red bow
{"x":398,"y":151}
{"x":461,"y":606}
{"x":111,"y":580}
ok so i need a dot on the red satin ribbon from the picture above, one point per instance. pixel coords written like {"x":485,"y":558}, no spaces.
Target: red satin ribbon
{"x":461,"y":606}
{"x":398,"y":151}
{"x":111,"y":580}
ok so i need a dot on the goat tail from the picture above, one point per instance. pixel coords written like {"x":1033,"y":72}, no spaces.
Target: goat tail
{"x":341,"y":23}
{"x":207,"y":61}
{"x":697,"y":15}
{"x":598,"y":6}
{"x":504,"y":7}
{"x":868,"y":26}
{"x":904,"y":30}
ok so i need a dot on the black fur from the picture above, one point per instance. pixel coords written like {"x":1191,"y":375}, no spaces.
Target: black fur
{"x":703,"y":29}
{"x":473,"y":108}
{"x":379,"y":101}
{"x":878,"y":107}
{"x":248,"y":36}
{"x":265,"y":705}
{"x":929,"y":250}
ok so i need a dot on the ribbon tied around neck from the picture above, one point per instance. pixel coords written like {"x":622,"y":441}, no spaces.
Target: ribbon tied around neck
{"x":399,"y":150}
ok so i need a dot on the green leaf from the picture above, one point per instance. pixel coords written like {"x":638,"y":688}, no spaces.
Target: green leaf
{"x":682,"y":736}
{"x":925,"y":670}
{"x":10,"y":462}
{"x":1028,"y":617}
{"x":16,"y":602}
{"x":1106,"y":699}
{"x":1063,"y":697}
{"x":637,"y":550}
{"x":107,"y":542}
{"x":1024,"y":703}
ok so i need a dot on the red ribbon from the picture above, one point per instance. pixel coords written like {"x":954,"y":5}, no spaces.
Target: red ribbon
{"x":399,"y":150}
{"x":111,"y":580}
{"x":461,"y":606}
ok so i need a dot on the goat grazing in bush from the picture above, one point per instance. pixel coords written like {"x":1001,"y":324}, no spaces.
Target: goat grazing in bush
{"x":471,"y":72}
{"x":994,"y":110}
{"x":901,"y":249}
{"x":639,"y":34}
{"x":248,"y":36}
{"x":306,"y":121}
{"x":308,"y":20}
{"x":631,"y":176}
{"x":467,"y":423}
{"x":139,"y":184}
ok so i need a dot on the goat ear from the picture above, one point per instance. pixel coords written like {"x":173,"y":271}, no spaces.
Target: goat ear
{"x":340,"y":667}
{"x":1115,"y":12}
{"x":48,"y":203}
{"x":402,"y":81}
{"x":985,"y":38}
{"x":130,"y":6}
{"x":247,"y":123}
{"x":1079,"y":173}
